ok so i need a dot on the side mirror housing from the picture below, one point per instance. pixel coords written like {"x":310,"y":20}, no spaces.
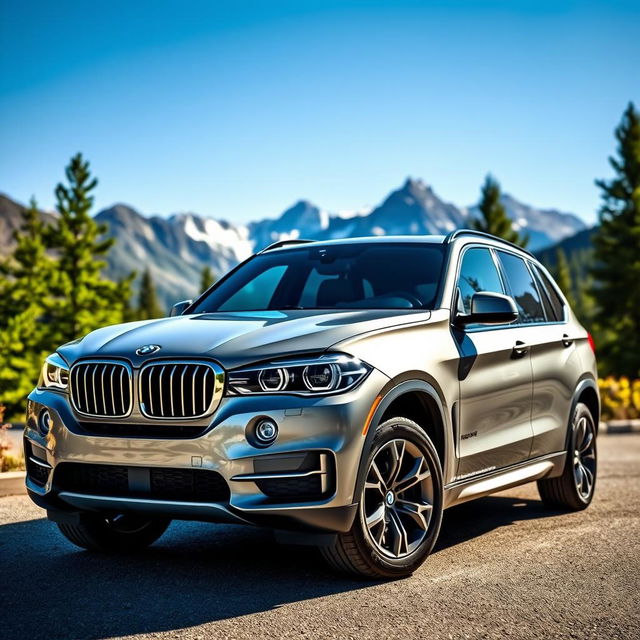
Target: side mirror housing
{"x":489,"y":308}
{"x":179,"y":307}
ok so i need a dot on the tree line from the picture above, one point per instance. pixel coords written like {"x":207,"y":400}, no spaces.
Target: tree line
{"x":52,"y":289}
{"x":601,"y":284}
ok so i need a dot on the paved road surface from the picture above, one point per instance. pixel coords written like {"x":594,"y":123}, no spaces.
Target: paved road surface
{"x":504,"y":567}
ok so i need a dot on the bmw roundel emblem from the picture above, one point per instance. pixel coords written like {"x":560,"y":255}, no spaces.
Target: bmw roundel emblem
{"x":148,"y":349}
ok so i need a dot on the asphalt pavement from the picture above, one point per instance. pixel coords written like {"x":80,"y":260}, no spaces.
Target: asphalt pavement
{"x":505,"y":567}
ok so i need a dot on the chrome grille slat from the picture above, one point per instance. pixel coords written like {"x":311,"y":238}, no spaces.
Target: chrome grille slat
{"x":97,"y":391}
{"x":150,"y":394}
{"x":171,"y":393}
{"x":160,"y":388}
{"x":204,"y":385}
{"x":181,"y":389}
{"x":113,"y":397}
{"x":184,"y":370}
{"x":104,"y":395}
{"x":86,"y":389}
{"x":93,"y":385}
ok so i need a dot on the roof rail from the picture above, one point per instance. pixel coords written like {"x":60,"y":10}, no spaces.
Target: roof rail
{"x":283,"y":243}
{"x":472,"y":232}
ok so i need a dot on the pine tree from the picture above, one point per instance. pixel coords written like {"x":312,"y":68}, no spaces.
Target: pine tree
{"x":562,"y":276}
{"x":616,"y":268}
{"x":25,"y":335}
{"x":84,"y":299}
{"x":206,"y":278}
{"x":494,"y":218}
{"x":129,"y":313}
{"x":148,"y":306}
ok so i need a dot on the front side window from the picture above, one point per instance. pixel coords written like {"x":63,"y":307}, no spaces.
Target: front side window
{"x":478,"y":273}
{"x":341,"y":276}
{"x":522,"y":288}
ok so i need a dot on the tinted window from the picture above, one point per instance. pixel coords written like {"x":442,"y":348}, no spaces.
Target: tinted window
{"x":358,"y":276}
{"x":522,"y":288}
{"x":546,"y":303}
{"x":477,"y":273}
{"x":256,"y":293}
{"x":554,"y":298}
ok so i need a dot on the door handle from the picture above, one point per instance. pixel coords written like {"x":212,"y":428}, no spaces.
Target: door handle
{"x":520,"y":349}
{"x":566,"y":340}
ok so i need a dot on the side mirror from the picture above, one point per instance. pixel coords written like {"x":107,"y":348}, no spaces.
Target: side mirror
{"x":489,"y":308}
{"x":179,"y":307}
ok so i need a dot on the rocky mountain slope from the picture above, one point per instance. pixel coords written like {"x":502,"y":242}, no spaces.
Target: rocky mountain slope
{"x":176,"y":248}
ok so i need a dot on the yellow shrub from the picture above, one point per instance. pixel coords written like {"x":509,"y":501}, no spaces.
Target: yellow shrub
{"x":620,"y":398}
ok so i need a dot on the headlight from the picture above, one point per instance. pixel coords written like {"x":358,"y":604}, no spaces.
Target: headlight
{"x":331,"y":373}
{"x":54,"y":374}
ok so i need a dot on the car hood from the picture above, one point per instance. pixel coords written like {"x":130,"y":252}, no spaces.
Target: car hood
{"x":236,"y":339}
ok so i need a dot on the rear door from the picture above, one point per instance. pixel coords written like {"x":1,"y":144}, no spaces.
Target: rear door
{"x":556,"y":369}
{"x":495,"y":377}
{"x":553,"y":359}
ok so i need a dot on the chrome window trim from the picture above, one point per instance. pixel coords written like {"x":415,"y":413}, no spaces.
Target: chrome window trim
{"x":121,"y":363}
{"x":537,"y":266}
{"x":218,"y":388}
{"x":527,"y":259}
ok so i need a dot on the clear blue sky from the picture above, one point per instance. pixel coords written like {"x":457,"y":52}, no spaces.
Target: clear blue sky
{"x":236,"y":109}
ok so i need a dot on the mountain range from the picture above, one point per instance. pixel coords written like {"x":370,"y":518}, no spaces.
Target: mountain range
{"x":176,"y":248}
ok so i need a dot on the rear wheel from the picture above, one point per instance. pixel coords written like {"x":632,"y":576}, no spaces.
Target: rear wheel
{"x":400,"y":507}
{"x":119,"y":533}
{"x":574,"y":489}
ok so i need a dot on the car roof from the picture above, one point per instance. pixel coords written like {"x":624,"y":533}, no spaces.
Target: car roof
{"x":469,"y":234}
{"x":283,"y":245}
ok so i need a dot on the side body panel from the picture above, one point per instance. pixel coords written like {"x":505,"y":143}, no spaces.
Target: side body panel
{"x":495,"y":403}
{"x":557,"y":369}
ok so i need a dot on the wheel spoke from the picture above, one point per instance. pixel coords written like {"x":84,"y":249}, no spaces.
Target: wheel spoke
{"x":376,"y":517}
{"x":586,"y":443}
{"x":396,"y":449}
{"x":588,"y":477}
{"x":578,"y":475}
{"x":378,"y":481}
{"x":418,"y":472}
{"x":421,"y":513}
{"x":581,"y":431}
{"x":400,"y":543}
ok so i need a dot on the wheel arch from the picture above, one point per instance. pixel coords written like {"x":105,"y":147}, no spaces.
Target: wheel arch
{"x":586,"y":391}
{"x":420,"y":401}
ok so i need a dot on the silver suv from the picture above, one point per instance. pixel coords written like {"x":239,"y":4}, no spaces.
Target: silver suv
{"x":342,"y":393}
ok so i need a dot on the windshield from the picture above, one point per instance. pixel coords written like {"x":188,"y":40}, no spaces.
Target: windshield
{"x":349,"y":276}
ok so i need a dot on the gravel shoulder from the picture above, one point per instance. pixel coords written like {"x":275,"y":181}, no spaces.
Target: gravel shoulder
{"x":504,"y":567}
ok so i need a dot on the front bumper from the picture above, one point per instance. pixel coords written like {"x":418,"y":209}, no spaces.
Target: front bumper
{"x":318,"y":438}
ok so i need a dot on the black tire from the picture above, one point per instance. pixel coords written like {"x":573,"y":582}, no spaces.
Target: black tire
{"x":122,"y":533}
{"x":357,"y":551}
{"x":574,"y":489}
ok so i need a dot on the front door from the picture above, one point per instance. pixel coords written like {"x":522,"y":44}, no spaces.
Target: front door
{"x":494,"y":419}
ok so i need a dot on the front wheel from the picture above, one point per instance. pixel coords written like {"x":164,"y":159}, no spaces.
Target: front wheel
{"x":574,"y":489}
{"x":400,"y":506}
{"x":118,"y":533}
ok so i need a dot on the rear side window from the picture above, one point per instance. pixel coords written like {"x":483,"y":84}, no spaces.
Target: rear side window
{"x":477,"y":273}
{"x":522,"y":288}
{"x":554,"y":299}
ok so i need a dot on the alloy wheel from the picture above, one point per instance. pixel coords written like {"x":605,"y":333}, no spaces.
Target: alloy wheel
{"x":584,"y":457}
{"x":397,"y":499}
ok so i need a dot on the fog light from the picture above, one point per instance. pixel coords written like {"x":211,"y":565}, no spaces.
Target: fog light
{"x":44,"y":422}
{"x":266,"y":431}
